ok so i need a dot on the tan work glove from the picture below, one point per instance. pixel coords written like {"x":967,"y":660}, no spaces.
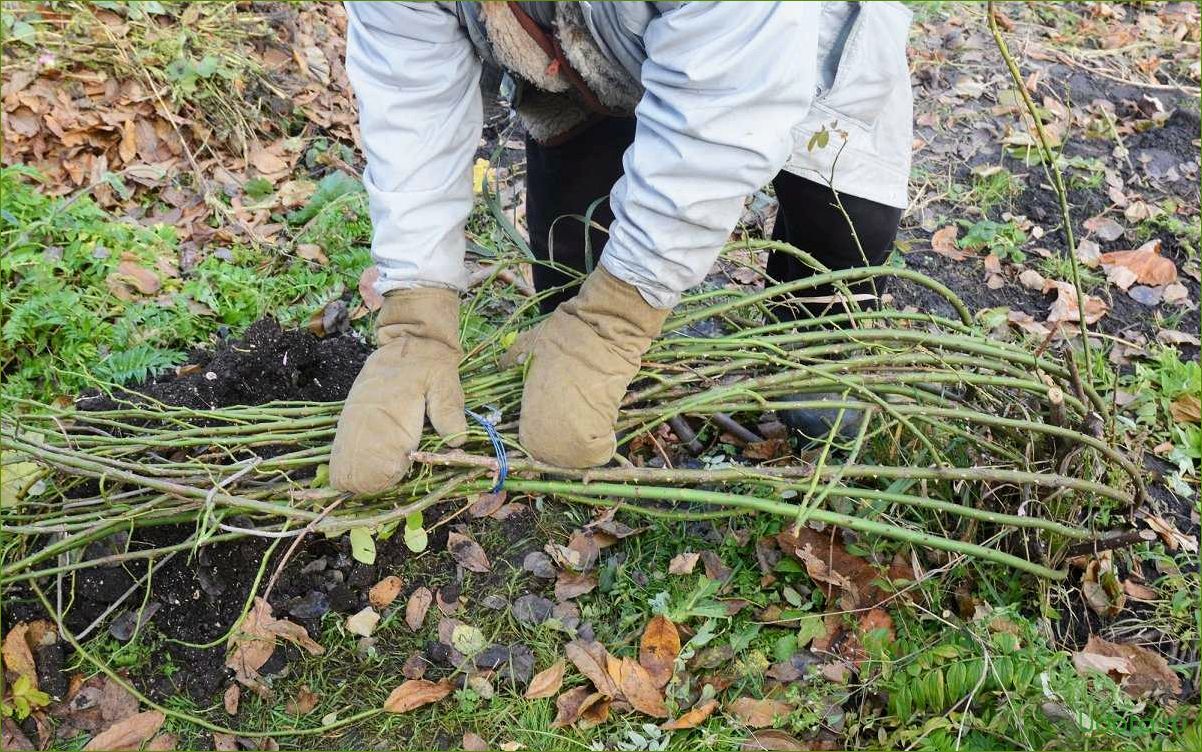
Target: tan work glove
{"x":414,"y":372}
{"x":581,"y":359}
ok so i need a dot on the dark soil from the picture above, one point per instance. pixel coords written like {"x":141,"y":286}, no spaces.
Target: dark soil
{"x":1165,"y":161}
{"x":266,"y":364}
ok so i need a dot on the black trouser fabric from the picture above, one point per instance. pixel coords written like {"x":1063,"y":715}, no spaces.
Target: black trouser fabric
{"x":568,"y":178}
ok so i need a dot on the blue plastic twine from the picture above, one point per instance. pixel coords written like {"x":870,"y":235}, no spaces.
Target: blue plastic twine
{"x":498,"y":448}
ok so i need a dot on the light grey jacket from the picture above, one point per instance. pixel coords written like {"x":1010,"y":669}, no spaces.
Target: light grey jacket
{"x":729,"y":94}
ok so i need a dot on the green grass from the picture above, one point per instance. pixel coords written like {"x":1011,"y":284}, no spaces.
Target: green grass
{"x":994,"y":187}
{"x":65,"y":326}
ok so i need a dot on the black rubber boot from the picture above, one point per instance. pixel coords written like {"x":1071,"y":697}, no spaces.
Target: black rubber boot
{"x":815,"y":423}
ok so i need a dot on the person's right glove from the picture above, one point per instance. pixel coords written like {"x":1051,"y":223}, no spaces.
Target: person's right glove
{"x":581,"y":359}
{"x":414,"y":373}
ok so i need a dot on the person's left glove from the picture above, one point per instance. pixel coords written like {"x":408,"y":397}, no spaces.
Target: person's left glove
{"x":581,"y":359}
{"x":414,"y":372}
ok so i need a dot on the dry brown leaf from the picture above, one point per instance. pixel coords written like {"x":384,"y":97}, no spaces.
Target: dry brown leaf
{"x":312,"y":252}
{"x":1028,"y":324}
{"x":269,"y":164}
{"x":683,"y":563}
{"x":467,"y":552}
{"x":573,"y":584}
{"x":1032,"y":279}
{"x":836,"y":671}
{"x":384,"y":592}
{"x":546,"y":682}
{"x":640,"y":690}
{"x":487,"y":503}
{"x":828,"y":563}
{"x":715,"y":568}
{"x":1089,"y":253}
{"x":1104,"y":228}
{"x":877,"y":619}
{"x":1120,"y":276}
{"x":296,"y":192}
{"x":658,"y":649}
{"x":254,"y":641}
{"x":129,"y":733}
{"x":1186,"y":409}
{"x":415,"y":693}
{"x":233,"y":693}
{"x":447,"y":599}
{"x":768,"y":449}
{"x":584,"y":550}
{"x":224,"y":742}
{"x":771,"y":739}
{"x":594,"y":711}
{"x":128,"y":148}
{"x":1145,"y":263}
{"x":1137,"y":670}
{"x":415,"y":666}
{"x":1172,"y":537}
{"x":694,"y":717}
{"x":758,"y":713}
{"x":943,"y":242}
{"x":116,"y":702}
{"x":18,"y":658}
{"x":303,"y":703}
{"x":416,"y":608}
{"x":592,"y":660}
{"x":13,"y":738}
{"x":1139,"y":592}
{"x":1064,"y":308}
{"x":162,"y":742}
{"x":1101,"y":586}
{"x":567,"y":706}
{"x":1174,"y":337}
{"x":474,"y":743}
{"x":144,"y":280}
{"x":372,"y":300}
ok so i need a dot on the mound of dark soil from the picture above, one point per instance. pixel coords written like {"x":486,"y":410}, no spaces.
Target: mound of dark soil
{"x":267,"y":364}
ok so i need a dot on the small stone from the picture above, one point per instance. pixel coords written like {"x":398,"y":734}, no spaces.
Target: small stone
{"x":539,"y":564}
{"x":415,"y":666}
{"x":513,"y":662}
{"x":1144,"y":295}
{"x":494,"y":602}
{"x":568,"y":615}
{"x":531,"y":610}
{"x":317,"y":565}
{"x":124,"y":626}
{"x":312,"y":606}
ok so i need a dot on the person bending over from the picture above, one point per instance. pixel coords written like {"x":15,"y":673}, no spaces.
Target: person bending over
{"x":675,"y":111}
